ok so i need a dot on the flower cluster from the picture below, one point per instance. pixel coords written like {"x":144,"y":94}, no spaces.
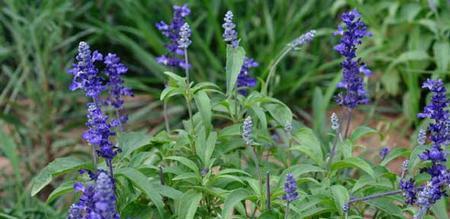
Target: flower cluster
{"x":352,"y":81}
{"x":244,"y":80}
{"x":290,"y":189}
{"x":334,"y":121}
{"x":88,"y":77}
{"x":230,"y":34}
{"x":173,"y":32}
{"x":85,"y":74}
{"x":114,"y":69}
{"x":384,"y":152}
{"x":247,"y":129}
{"x":303,"y":39}
{"x":435,"y":188}
{"x":185,"y":33}
{"x":97,"y":201}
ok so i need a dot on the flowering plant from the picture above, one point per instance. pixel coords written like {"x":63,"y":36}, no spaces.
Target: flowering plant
{"x":240,"y":153}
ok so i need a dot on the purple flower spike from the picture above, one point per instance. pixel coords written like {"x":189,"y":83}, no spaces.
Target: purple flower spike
{"x":85,"y":74}
{"x":173,"y":32}
{"x":115,"y":70}
{"x":244,"y":80}
{"x":104,"y":197}
{"x":354,"y":92}
{"x":439,"y":134}
{"x":290,"y":189}
{"x":230,"y":34}
{"x":384,"y":152}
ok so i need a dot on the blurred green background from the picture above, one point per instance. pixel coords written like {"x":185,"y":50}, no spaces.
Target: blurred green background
{"x":40,"y":119}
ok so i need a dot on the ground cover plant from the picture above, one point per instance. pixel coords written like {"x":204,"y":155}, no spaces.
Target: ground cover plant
{"x":240,"y":153}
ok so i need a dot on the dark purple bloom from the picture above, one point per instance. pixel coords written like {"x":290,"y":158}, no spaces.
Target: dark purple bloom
{"x":99,"y":132}
{"x":104,"y":197}
{"x":409,"y":190}
{"x":352,"y":82}
{"x":85,"y":75}
{"x":290,"y":189}
{"x":97,"y":201}
{"x":84,"y":208}
{"x":230,"y":34}
{"x":384,"y":152}
{"x":244,"y":80}
{"x":115,"y":71}
{"x":437,"y":110}
{"x":172,"y":32}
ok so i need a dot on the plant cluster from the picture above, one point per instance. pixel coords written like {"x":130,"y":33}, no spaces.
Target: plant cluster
{"x":240,"y":153}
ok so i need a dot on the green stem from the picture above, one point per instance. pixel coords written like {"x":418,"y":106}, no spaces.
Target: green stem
{"x":287,"y":211}
{"x":347,"y":126}
{"x":166,"y":117}
{"x":283,"y":53}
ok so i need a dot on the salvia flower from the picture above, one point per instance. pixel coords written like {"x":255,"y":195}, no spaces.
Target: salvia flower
{"x":334,"y":121}
{"x":384,"y":152}
{"x":230,"y":34}
{"x":437,"y":110}
{"x":97,"y":201}
{"x":409,"y":190}
{"x":99,"y":131}
{"x":303,"y":39}
{"x":247,"y":131}
{"x":290,"y":189}
{"x":354,"y":92}
{"x":100,"y":126}
{"x":245,"y":80}
{"x":104,"y":197}
{"x":85,"y":75}
{"x":115,"y":70}
{"x":172,"y":32}
{"x":185,"y":33}
{"x":421,"y":137}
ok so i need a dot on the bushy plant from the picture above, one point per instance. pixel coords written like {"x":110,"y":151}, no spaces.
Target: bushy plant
{"x":240,"y":153}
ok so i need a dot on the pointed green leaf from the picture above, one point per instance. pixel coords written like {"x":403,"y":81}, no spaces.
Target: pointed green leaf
{"x":235,"y":60}
{"x":143,"y":183}
{"x":354,"y":162}
{"x":55,"y":168}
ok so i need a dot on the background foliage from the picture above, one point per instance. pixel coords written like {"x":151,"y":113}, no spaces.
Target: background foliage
{"x":41,"y":120}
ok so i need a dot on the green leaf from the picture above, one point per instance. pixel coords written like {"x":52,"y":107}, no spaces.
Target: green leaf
{"x":362,"y":131}
{"x":234,"y":198}
{"x":394,"y":154}
{"x":280,"y":112}
{"x":235,"y":60}
{"x":142,"y":183}
{"x":309,"y":144}
{"x":387,"y":206}
{"x":354,"y":162}
{"x":62,"y":189}
{"x":210,"y":146}
{"x":439,"y":209}
{"x":340,"y":196}
{"x":57,"y":167}
{"x":204,"y":107}
{"x":132,"y":141}
{"x":188,"y":163}
{"x":441,"y":50}
{"x":188,"y":203}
